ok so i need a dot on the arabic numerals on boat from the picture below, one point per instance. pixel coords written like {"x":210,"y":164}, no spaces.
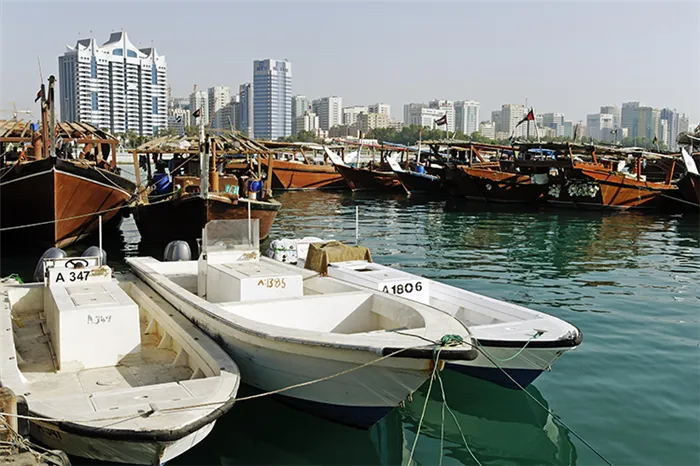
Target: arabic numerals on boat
{"x":403,"y":288}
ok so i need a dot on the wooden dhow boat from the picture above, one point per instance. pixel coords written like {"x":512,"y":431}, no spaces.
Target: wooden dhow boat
{"x":295,"y":170}
{"x":689,"y":184}
{"x":109,"y":371}
{"x":598,"y":177}
{"x":55,"y":180}
{"x":367,"y":179}
{"x":195,"y":187}
{"x":351,"y":354}
{"x":481,"y":172}
{"x":516,"y":344}
{"x":422,"y":177}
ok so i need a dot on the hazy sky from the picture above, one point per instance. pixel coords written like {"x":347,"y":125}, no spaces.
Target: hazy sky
{"x":569,"y":57}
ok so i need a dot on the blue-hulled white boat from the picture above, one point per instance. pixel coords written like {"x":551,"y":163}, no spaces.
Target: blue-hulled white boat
{"x":516,"y":344}
{"x":286,"y":326}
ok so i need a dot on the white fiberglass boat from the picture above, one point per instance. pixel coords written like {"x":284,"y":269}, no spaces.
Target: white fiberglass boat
{"x":110,"y":371}
{"x":516,"y":344}
{"x":286,"y":326}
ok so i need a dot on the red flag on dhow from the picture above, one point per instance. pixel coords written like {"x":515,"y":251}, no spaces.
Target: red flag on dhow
{"x":529,"y":117}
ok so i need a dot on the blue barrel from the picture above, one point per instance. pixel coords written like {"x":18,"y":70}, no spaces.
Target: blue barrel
{"x":420,"y":169}
{"x":255,"y":186}
{"x":163,"y":183}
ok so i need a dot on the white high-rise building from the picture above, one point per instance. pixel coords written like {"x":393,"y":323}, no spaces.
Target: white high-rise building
{"x":554,"y":121}
{"x":245,"y":110}
{"x":199,"y":100}
{"x":511,"y":114}
{"x":488,"y":129}
{"x":115,"y":86}
{"x":218,"y":98}
{"x":683,"y":124}
{"x":599,"y":126}
{"x":300,"y":105}
{"x":467,"y":116}
{"x":613,"y":110}
{"x":421,"y":115}
{"x":179,"y":118}
{"x":350,"y":114}
{"x":329,"y":111}
{"x":272,"y":99}
{"x":308,"y":121}
{"x":384,"y":109}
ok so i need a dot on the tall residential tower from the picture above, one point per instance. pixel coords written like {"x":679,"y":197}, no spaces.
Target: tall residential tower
{"x":116,"y":86}
{"x":272,"y":99}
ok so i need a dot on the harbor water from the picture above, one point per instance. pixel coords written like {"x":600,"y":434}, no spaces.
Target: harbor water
{"x":629,"y":281}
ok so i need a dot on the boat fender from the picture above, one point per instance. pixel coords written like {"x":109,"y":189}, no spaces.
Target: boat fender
{"x":177,"y":251}
{"x":51,"y":253}
{"x":95,"y":251}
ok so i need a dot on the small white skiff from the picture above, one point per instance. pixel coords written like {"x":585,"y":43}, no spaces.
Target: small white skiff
{"x":521,"y":341}
{"x":287,"y":326}
{"x":117,"y":373}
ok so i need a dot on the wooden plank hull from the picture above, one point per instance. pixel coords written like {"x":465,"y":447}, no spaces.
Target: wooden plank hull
{"x":597,"y":189}
{"x":416,"y":183}
{"x":361,"y":179}
{"x":481,"y":184}
{"x":183,"y":218}
{"x":689,"y":187}
{"x":60,"y":195}
{"x":293,"y":176}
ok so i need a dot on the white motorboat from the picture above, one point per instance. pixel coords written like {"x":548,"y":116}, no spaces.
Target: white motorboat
{"x":287,"y":326}
{"x":109,"y":370}
{"x":516,"y":344}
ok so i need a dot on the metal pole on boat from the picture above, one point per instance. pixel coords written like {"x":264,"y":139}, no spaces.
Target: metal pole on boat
{"x":203,"y":162}
{"x":99,"y":232}
{"x":250,"y":234}
{"x":357,"y":225}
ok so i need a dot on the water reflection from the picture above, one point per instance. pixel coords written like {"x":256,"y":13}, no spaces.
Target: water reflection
{"x":501,"y":426}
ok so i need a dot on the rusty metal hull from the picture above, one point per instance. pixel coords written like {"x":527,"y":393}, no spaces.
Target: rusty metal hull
{"x":63,"y":197}
{"x":361,"y":179}
{"x":183,"y":218}
{"x":597,"y":189}
{"x":482,"y":184}
{"x":294,"y":176}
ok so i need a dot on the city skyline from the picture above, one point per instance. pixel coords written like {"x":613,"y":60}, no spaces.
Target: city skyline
{"x":636,"y":71}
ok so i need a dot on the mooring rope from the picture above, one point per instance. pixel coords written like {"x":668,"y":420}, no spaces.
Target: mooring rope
{"x":445,"y":341}
{"x":48,"y":222}
{"x":479,"y":348}
{"x":438,"y":343}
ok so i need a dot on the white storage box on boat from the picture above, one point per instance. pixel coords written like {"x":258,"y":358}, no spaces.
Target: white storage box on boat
{"x":382,"y":279}
{"x":85,"y":308}
{"x":251,"y":282}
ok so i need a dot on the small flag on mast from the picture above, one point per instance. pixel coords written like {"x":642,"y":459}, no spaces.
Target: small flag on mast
{"x":197,"y":113}
{"x":39,"y":95}
{"x":529,"y":117}
{"x":441,"y":121}
{"x":655,"y":140}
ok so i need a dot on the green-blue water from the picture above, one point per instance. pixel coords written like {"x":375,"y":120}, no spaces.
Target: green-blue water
{"x":630,"y":282}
